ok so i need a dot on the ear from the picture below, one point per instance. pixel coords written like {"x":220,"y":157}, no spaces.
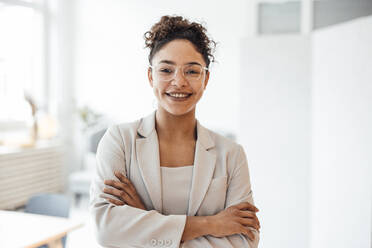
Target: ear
{"x":206,"y":79}
{"x":149,"y":75}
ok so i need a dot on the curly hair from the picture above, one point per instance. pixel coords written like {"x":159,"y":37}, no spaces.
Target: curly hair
{"x":177,"y":27}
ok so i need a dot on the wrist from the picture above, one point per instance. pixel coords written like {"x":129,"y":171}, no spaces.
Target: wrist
{"x":196,"y":226}
{"x":210,"y":224}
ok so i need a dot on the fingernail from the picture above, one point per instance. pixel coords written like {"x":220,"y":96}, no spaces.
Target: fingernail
{"x":118,"y":173}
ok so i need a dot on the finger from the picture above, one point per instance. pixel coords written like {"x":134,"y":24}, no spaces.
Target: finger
{"x":249,"y":214}
{"x":258,"y":222}
{"x":121,"y":176}
{"x":250,"y":207}
{"x":247,"y":206}
{"x":131,"y":203}
{"x":248,"y":233}
{"x":249,"y":223}
{"x":121,"y":186}
{"x":114,"y":201}
{"x":121,"y":194}
{"x":246,"y":214}
{"x":115,"y":184}
{"x":124,"y":179}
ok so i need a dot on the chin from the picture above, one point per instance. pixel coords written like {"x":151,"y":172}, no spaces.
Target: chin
{"x":178,"y":111}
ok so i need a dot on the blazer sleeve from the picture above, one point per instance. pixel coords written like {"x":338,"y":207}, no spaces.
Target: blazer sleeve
{"x":238,"y":190}
{"x":126,"y":226}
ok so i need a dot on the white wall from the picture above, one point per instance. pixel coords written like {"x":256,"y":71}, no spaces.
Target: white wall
{"x":275,"y":131}
{"x":111,"y":59}
{"x":342,"y":136}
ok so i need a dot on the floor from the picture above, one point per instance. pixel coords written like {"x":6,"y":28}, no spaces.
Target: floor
{"x":84,"y":236}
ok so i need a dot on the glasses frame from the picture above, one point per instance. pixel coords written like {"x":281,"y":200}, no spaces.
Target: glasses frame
{"x":183,"y":74}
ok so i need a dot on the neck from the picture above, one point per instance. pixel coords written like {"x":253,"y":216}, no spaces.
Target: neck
{"x":174,"y":127}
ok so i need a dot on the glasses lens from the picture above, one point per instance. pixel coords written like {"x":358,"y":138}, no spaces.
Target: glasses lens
{"x":165,"y":72}
{"x":193,"y":72}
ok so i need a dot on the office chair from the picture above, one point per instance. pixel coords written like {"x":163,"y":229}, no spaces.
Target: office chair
{"x":49,"y":204}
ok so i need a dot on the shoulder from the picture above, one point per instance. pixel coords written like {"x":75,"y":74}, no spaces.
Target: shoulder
{"x":126,"y":128}
{"x":123,"y":131}
{"x":130,"y":130}
{"x":225,"y":145}
{"x":230,"y":155}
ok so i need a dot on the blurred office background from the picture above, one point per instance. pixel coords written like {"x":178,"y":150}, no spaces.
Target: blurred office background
{"x":293,"y":85}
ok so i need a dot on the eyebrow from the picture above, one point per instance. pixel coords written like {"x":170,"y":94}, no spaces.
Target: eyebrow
{"x":173,"y":63}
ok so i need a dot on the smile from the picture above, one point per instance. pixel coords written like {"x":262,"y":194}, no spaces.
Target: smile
{"x":178,"y":96}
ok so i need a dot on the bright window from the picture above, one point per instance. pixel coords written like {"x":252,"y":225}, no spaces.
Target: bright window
{"x":22,"y":58}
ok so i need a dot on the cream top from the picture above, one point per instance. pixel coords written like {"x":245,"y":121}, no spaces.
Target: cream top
{"x":176,"y":179}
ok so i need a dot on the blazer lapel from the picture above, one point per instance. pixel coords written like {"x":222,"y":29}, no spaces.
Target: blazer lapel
{"x":147,"y":150}
{"x":204,"y":165}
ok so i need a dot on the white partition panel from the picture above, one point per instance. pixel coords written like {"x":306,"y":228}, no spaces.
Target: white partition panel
{"x":342,"y":136}
{"x":275,"y":131}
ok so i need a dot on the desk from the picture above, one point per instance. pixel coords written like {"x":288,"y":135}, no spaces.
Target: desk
{"x":18,"y":229}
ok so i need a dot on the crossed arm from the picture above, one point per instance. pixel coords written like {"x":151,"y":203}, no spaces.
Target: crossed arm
{"x":236,"y":219}
{"x":121,"y":219}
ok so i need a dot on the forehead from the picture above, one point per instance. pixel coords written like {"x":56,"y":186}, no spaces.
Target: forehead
{"x":180,"y":52}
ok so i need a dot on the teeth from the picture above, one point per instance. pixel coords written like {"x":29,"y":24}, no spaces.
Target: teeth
{"x":178,"y":95}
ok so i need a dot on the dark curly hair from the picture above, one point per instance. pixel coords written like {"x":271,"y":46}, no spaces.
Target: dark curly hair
{"x":177,"y":27}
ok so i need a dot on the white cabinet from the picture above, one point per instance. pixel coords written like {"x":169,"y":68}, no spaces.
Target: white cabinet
{"x":25,"y":172}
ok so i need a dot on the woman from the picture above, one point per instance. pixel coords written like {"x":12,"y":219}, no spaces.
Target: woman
{"x":165,"y":180}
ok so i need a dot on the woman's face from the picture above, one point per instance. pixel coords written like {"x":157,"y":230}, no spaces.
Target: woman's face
{"x":179,"y":95}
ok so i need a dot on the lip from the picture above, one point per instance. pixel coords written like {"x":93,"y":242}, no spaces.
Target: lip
{"x":178,"y":92}
{"x":176,"y":98}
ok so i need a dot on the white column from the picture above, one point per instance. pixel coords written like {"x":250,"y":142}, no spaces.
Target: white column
{"x":61,"y":37}
{"x":252,"y":17}
{"x":307,"y":16}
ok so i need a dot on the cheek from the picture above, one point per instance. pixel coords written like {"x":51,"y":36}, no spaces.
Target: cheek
{"x":199,"y":90}
{"x":155,"y":86}
{"x":158,"y":89}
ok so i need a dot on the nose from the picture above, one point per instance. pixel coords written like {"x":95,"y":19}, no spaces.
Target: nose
{"x":179,"y":79}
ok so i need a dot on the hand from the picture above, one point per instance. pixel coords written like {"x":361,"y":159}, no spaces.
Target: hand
{"x":235,"y":220}
{"x":124,"y":191}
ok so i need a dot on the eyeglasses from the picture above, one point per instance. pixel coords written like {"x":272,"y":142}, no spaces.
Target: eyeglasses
{"x":167,"y":72}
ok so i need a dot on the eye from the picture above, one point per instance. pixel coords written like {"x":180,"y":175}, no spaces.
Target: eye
{"x":165,"y":70}
{"x":192,"y":72}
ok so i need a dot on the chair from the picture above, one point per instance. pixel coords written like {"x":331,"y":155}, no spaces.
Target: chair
{"x":79,"y":181}
{"x":49,"y":204}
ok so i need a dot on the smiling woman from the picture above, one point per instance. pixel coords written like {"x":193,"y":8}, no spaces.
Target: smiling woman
{"x":165,"y":180}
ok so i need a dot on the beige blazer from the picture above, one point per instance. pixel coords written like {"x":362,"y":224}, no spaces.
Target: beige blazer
{"x":220,"y":179}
